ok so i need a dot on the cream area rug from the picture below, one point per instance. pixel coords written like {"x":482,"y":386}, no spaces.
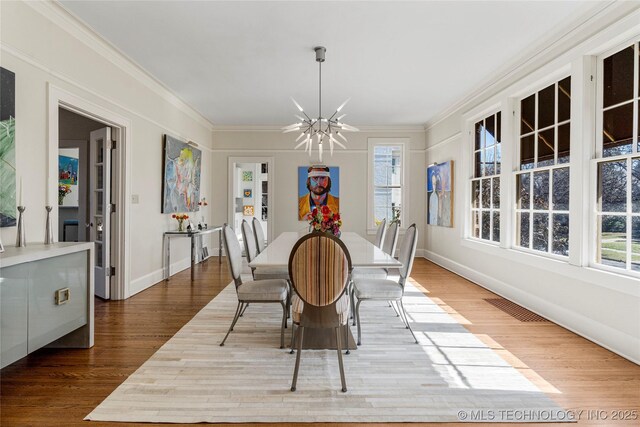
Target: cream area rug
{"x":449,"y":376}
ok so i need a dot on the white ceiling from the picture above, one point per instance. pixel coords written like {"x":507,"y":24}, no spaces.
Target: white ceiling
{"x":238,"y":63}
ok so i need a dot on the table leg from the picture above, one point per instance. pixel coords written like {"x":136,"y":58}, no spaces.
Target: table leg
{"x":193,"y":256}
{"x":220,"y":246}
{"x":167,"y":257}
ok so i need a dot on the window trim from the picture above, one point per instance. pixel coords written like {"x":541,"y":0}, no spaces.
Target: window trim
{"x":597,"y":153}
{"x":404,"y":186}
{"x":533,"y":89}
{"x":493,"y":110}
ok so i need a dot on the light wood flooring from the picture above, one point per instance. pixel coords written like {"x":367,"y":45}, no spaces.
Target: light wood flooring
{"x":60,"y":387}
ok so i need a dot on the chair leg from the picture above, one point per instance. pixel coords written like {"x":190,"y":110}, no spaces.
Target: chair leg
{"x":235,"y":319}
{"x":293,"y":336}
{"x":403,"y":317}
{"x":245,"y":309}
{"x":295,"y":371}
{"x":284,"y":323}
{"x":391,"y":304}
{"x":407,"y":320}
{"x":346,"y":337}
{"x":338,"y":339}
{"x":353,"y":305}
{"x":358,"y":318}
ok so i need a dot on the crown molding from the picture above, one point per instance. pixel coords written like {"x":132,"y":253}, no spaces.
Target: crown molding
{"x":550,"y":46}
{"x":272,"y":128}
{"x":56,"y":13}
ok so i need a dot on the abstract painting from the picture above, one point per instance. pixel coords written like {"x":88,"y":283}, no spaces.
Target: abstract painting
{"x":247,"y":192}
{"x":181,"y":183}
{"x":440,"y":194}
{"x":247,"y":176}
{"x":7,"y":148}
{"x":68,"y":176}
{"x":318,"y":185}
{"x":248,"y":210}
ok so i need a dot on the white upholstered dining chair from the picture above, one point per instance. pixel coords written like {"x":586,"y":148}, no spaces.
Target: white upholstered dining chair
{"x":389,"y":290}
{"x":255,"y":291}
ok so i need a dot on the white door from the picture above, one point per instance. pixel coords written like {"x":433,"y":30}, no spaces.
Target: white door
{"x":100,"y":207}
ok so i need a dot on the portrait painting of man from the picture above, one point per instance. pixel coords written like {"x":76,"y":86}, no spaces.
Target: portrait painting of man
{"x":440,"y":194}
{"x":318,"y":185}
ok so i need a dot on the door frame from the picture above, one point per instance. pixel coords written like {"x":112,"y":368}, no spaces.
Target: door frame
{"x":270,"y":161}
{"x":121,"y":190}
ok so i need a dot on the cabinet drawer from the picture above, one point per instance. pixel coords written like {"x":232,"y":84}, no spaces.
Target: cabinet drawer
{"x":48,"y":319}
{"x":13,"y":313}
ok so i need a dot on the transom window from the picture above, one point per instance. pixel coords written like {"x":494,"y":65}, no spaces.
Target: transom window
{"x":485,"y":184}
{"x":618,"y":162}
{"x":542,"y":183}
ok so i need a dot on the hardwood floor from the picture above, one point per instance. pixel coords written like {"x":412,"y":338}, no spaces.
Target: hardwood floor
{"x":60,"y":387}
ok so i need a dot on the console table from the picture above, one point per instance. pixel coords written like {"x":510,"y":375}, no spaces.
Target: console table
{"x":196,"y":237}
{"x":46,"y":298}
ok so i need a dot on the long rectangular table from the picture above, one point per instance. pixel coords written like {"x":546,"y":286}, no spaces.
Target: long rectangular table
{"x":364,"y":254}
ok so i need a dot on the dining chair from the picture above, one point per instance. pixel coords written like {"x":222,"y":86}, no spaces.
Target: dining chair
{"x":389,"y":240}
{"x":258,"y":234}
{"x":255,"y":291}
{"x":320,"y":266}
{"x":389,"y":290}
{"x":251,"y":249}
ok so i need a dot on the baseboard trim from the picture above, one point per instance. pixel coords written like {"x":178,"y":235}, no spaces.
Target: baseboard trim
{"x":620,"y":343}
{"x":141,"y":283}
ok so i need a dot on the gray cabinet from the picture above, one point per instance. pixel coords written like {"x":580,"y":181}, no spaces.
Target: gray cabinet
{"x":45,"y":297}
{"x":13,"y":313}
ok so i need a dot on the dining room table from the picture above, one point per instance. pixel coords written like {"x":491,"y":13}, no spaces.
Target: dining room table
{"x":364,"y":254}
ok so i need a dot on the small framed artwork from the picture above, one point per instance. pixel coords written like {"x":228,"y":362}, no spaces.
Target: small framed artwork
{"x":247,"y":176}
{"x":247,"y":192}
{"x":247,"y":210}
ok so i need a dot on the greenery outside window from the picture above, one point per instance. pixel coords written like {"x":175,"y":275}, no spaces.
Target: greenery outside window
{"x":617,"y":210}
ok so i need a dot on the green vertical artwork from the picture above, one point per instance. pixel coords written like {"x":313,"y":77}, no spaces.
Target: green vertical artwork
{"x":7,"y":148}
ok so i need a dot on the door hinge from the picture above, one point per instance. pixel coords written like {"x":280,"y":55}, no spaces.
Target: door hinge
{"x":112,"y":207}
{"x":113,"y":145}
{"x":112,"y":271}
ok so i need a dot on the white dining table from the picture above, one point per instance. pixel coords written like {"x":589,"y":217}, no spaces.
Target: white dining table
{"x":364,"y":254}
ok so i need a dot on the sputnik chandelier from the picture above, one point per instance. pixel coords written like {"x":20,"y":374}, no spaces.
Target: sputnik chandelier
{"x":323,"y":129}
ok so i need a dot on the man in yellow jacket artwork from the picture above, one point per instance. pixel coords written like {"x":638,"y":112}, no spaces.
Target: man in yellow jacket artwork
{"x":319,"y":186}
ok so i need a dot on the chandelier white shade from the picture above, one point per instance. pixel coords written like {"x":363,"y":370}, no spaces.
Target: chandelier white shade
{"x":320,"y":130}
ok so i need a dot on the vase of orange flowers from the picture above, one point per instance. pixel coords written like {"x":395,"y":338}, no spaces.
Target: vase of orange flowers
{"x":63,"y":190}
{"x":323,"y":220}
{"x":180,"y":218}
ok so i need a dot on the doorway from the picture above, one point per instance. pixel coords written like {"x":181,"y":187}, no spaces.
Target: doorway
{"x":84,"y":191}
{"x":251,"y":193}
{"x":110,"y":179}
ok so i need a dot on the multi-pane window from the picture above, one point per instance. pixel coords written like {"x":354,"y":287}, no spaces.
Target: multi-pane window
{"x":618,"y":166}
{"x":387,"y":182}
{"x":485,"y":184}
{"x":542,"y":183}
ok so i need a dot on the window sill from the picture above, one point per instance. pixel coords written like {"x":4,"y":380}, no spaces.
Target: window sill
{"x":595,"y":276}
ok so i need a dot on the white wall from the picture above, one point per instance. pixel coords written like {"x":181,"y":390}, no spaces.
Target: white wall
{"x":600,"y":306}
{"x":283,"y":178}
{"x":44,"y":46}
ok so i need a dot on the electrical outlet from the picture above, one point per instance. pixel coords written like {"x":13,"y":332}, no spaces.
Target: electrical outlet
{"x":135,"y":199}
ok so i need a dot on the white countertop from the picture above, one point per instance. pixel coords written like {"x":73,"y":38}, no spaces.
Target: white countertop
{"x":36,"y":251}
{"x":364,"y":254}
